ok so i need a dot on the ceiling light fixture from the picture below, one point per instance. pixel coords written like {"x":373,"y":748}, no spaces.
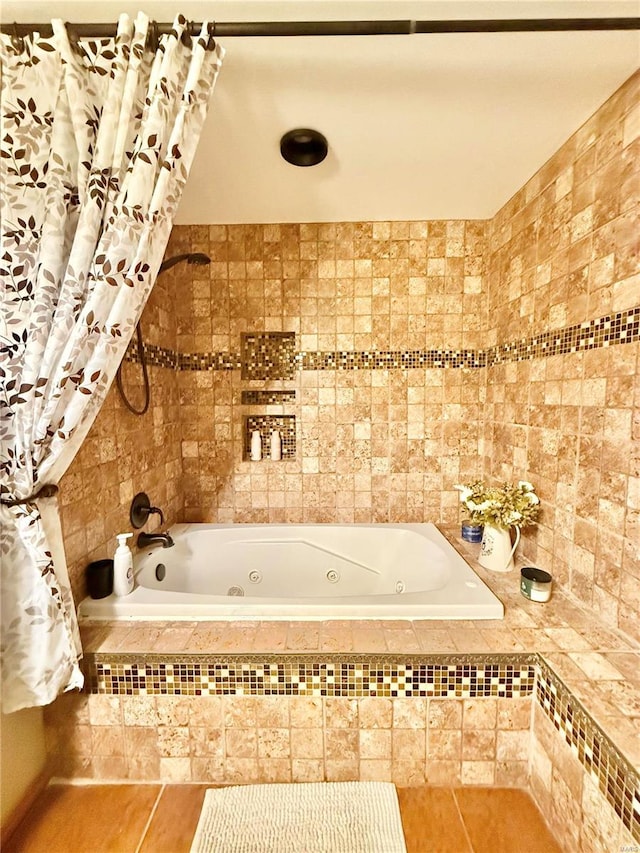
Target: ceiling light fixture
{"x":304,"y":147}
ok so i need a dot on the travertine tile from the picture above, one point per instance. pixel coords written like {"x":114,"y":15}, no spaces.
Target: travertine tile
{"x":375,"y":713}
{"x":375,"y":744}
{"x":595,"y":666}
{"x":307,"y":743}
{"x":571,"y":286}
{"x":479,"y":713}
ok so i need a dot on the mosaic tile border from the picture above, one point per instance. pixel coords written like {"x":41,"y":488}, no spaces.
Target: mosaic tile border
{"x":434,"y":676}
{"x":389,"y":359}
{"x":268,"y":355}
{"x":155,"y":356}
{"x":618,"y":781}
{"x":352,"y":676}
{"x":209,"y":361}
{"x":272,"y":356}
{"x":620,"y":328}
{"x":267,"y":398}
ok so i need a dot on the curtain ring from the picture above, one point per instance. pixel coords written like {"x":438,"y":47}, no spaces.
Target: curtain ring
{"x":17,"y":41}
{"x":72,"y":35}
{"x":211,"y":29}
{"x":153,"y":39}
{"x":185,"y":38}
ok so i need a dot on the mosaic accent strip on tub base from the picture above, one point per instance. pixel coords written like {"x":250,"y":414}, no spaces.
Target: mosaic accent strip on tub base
{"x":353,"y":676}
{"x":381,"y":676}
{"x":618,"y":781}
{"x":272,"y":355}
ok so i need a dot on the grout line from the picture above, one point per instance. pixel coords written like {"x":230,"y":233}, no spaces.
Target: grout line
{"x":464,"y":826}
{"x":84,"y":781}
{"x":150,"y":818}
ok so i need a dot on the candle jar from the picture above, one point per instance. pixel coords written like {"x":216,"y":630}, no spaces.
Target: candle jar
{"x":472,"y":532}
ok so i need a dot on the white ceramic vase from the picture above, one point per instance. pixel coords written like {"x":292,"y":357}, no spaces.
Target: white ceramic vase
{"x":496,"y":550}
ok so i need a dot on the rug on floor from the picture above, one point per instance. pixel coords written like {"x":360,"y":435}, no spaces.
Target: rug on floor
{"x":309,"y":817}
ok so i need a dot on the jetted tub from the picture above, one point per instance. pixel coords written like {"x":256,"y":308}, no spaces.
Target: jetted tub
{"x":301,"y":571}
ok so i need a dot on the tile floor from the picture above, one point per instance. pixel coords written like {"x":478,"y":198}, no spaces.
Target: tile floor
{"x":162,"y":819}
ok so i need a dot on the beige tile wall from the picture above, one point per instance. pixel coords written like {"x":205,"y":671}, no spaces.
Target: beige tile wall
{"x":372,"y":445}
{"x":564,"y":251}
{"x":243,"y":739}
{"x":389,"y":445}
{"x":362,"y":285}
{"x":569,"y":796}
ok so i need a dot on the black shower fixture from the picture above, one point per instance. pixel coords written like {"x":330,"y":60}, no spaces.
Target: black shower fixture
{"x":304,"y":147}
{"x":197,"y":258}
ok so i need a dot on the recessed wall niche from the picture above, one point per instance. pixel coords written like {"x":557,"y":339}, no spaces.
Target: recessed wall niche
{"x":266,"y":424}
{"x":267,"y":398}
{"x":268,"y":355}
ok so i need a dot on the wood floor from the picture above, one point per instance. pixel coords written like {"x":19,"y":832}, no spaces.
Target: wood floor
{"x":162,"y":819}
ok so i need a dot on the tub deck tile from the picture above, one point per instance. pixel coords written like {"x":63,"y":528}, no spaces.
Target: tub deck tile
{"x":303,"y":636}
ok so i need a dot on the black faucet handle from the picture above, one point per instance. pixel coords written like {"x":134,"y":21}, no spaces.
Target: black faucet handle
{"x":141,"y":509}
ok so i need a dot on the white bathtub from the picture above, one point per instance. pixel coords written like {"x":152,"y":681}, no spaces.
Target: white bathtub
{"x":301,"y":571}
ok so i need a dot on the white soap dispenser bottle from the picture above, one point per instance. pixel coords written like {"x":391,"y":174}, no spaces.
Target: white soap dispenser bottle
{"x":122,"y":566}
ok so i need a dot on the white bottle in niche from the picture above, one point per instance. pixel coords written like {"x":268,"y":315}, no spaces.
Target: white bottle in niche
{"x":256,"y":446}
{"x":122,"y":566}
{"x":276,"y":445}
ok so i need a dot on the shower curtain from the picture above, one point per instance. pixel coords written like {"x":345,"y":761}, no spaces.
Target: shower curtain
{"x":97,"y":140}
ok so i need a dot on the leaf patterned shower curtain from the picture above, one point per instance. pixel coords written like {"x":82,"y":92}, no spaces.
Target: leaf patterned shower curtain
{"x":96,"y":144}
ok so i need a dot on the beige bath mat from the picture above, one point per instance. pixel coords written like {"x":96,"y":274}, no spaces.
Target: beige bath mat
{"x":314,"y":817}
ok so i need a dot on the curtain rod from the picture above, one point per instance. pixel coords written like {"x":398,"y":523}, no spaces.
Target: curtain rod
{"x":351,"y":28}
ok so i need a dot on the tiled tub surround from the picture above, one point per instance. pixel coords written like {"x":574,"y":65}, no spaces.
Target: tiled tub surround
{"x":441,"y":702}
{"x":387,"y":445}
{"x":352,"y":438}
{"x":480,"y":735}
{"x":419,"y":345}
{"x":562,"y":253}
{"x":357,"y":457}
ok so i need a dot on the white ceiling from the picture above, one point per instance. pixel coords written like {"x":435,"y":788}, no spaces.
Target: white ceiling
{"x":419,"y":127}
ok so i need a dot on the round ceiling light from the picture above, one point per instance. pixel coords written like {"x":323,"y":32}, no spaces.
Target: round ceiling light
{"x":304,"y":147}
